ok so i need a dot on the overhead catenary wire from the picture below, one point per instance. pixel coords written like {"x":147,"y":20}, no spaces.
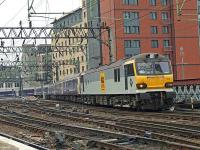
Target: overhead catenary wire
{"x":147,"y":14}
{"x":2,"y":2}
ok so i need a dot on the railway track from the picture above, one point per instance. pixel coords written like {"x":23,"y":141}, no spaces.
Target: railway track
{"x":180,"y":116}
{"x":177,"y":115}
{"x":180,"y":134}
{"x":95,"y":137}
{"x":129,"y":126}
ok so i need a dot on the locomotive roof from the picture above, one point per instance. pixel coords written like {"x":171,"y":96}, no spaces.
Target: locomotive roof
{"x":144,"y":56}
{"x":122,"y":61}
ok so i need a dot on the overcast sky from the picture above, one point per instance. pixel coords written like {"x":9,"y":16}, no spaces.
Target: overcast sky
{"x":12,"y":11}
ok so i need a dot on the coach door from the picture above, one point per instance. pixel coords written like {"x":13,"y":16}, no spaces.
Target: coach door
{"x":128,"y":75}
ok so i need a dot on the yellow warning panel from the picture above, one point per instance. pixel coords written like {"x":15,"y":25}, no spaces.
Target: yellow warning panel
{"x":103,"y":82}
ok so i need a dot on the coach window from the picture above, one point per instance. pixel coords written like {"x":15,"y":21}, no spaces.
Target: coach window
{"x":117,"y":75}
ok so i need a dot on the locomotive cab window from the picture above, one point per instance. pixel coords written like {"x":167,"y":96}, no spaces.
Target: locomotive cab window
{"x":129,"y":71}
{"x":117,"y":75}
{"x":151,"y":68}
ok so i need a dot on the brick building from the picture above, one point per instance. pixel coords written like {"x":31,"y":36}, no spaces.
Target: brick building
{"x":140,"y":26}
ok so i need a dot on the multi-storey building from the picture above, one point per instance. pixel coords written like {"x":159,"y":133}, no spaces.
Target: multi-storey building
{"x":152,"y":26}
{"x":10,"y":78}
{"x":29,"y":65}
{"x":94,"y":53}
{"x":70,"y":58}
{"x":44,"y":64}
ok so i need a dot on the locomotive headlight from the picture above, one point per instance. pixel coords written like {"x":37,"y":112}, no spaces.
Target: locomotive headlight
{"x":141,"y":85}
{"x":169,"y":85}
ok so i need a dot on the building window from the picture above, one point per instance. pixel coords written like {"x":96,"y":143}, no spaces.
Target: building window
{"x":117,"y":75}
{"x":53,"y":56}
{"x":130,"y":2}
{"x":82,"y":58}
{"x":154,"y":44}
{"x":153,"y":15}
{"x":1,"y":85}
{"x":131,"y":15}
{"x":154,"y":29}
{"x":152,"y":2}
{"x":166,"y":43}
{"x":83,"y":68}
{"x":132,"y":29}
{"x":17,"y":84}
{"x":84,"y":14}
{"x":132,"y":47}
{"x":131,"y":22}
{"x":164,"y":2}
{"x":132,"y":43}
{"x":8,"y":85}
{"x":165,"y":29}
{"x":126,"y":15}
{"x":164,"y":15}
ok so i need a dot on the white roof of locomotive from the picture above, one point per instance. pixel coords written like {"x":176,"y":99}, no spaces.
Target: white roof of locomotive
{"x":122,"y":61}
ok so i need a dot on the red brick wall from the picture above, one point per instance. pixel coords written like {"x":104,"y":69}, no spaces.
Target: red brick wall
{"x":187,"y":37}
{"x":107,"y":16}
{"x":183,"y":33}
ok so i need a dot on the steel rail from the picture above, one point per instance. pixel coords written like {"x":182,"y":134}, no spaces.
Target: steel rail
{"x":111,"y":145}
{"x":114,"y":124}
